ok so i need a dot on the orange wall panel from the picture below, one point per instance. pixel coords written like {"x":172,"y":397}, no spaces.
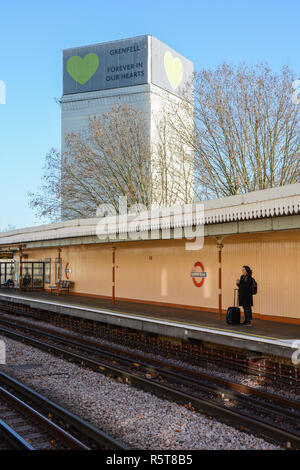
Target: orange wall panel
{"x":159,"y":271}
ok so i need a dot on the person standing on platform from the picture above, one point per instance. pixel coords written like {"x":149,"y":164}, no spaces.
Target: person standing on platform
{"x":245,"y":294}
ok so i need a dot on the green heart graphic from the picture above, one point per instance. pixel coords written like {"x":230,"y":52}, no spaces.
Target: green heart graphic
{"x":83,"y":69}
{"x":174,"y":70}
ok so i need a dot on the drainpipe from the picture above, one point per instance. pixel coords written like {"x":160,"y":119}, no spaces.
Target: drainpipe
{"x":220,"y":247}
{"x":113,"y":293}
{"x":21,"y":271}
{"x":58,"y":272}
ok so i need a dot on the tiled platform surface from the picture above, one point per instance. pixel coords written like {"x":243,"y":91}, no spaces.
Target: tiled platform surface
{"x":263,"y":336}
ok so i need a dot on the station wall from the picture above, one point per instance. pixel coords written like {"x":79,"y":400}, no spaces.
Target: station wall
{"x":159,"y":271}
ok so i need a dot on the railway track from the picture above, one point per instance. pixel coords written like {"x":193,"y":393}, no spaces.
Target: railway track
{"x":25,"y":423}
{"x":26,"y":428}
{"x":205,"y":355}
{"x":275,"y":417}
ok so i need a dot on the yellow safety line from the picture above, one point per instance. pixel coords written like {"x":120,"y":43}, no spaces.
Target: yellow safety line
{"x":195,"y":324}
{"x":172,"y":321}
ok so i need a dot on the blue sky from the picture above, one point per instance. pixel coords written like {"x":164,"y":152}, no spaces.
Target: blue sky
{"x":33,"y":34}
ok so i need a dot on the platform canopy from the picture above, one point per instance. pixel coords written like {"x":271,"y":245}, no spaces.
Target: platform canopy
{"x":269,"y":210}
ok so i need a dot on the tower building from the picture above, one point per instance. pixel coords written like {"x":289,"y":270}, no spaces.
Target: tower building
{"x":142,"y":72}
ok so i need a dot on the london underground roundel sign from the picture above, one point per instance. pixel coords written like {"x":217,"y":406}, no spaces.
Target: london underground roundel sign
{"x":68,"y":270}
{"x":198,"y":274}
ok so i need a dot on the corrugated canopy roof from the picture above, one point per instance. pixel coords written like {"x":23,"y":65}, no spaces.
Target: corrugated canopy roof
{"x":269,"y":203}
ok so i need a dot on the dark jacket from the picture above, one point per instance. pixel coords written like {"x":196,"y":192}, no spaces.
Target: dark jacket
{"x":245,"y":291}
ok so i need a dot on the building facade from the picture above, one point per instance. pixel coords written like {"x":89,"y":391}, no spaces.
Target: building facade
{"x":260,"y":229}
{"x":141,"y":72}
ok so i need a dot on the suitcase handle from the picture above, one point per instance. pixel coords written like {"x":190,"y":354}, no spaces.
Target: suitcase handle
{"x":235,"y":297}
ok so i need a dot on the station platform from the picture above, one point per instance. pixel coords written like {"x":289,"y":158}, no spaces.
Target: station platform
{"x":265,"y":337}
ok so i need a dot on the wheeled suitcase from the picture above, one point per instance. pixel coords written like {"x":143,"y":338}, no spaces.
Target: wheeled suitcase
{"x":233,"y":316}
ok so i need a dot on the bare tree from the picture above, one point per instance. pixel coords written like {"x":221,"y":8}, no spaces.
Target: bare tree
{"x":117,"y":155}
{"x":111,"y":158}
{"x":7,"y":228}
{"x":241,"y":133}
{"x":172,"y":161}
{"x":247,"y":130}
{"x":47,"y":201}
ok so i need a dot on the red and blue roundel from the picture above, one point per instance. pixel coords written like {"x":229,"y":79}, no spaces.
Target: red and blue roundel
{"x":68,"y":270}
{"x":198,"y":274}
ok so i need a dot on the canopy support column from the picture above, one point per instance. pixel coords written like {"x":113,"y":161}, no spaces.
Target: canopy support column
{"x":58,"y":271}
{"x":21,"y":272}
{"x":113,"y":285}
{"x":220,"y":247}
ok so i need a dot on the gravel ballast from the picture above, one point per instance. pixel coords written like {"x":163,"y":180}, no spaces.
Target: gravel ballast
{"x":139,"y":419}
{"x":288,"y":391}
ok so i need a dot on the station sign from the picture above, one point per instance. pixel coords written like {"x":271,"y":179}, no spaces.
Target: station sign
{"x":68,"y":270}
{"x":6,"y":255}
{"x":198,"y":274}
